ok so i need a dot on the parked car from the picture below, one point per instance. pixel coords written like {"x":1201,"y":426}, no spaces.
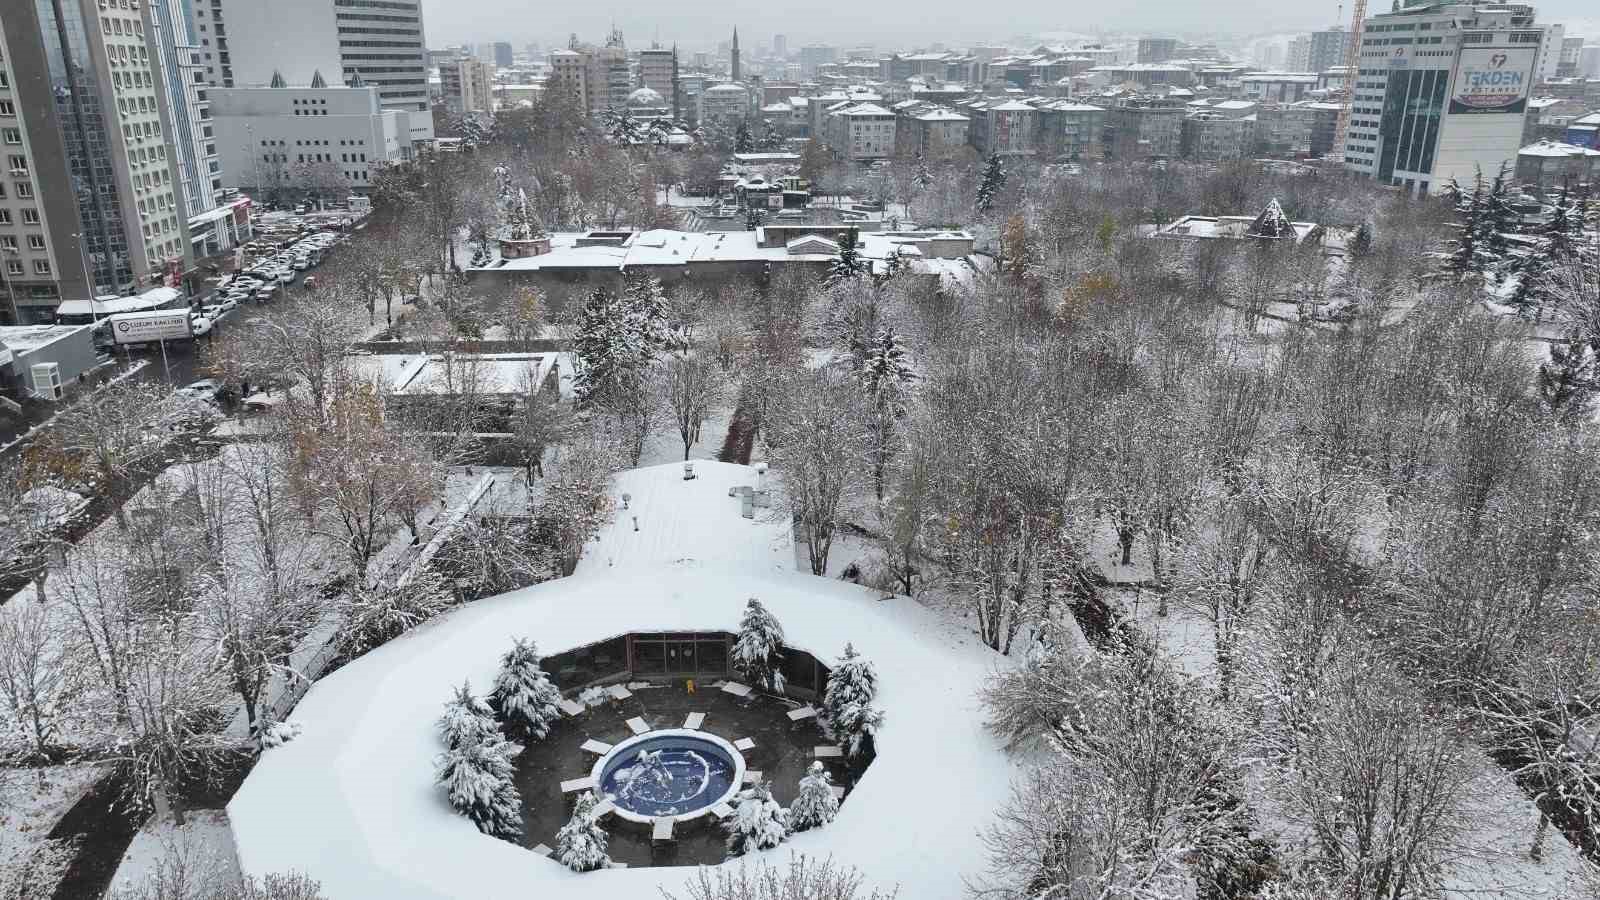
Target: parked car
{"x":228,"y":304}
{"x":199,"y":325}
{"x":212,"y":311}
{"x":207,"y":388}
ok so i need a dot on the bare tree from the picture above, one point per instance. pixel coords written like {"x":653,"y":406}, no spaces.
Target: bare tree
{"x":577,"y":500}
{"x":693,"y":386}
{"x":802,"y":879}
{"x":1222,"y":573}
{"x":104,"y":439}
{"x":818,"y":450}
{"x":37,"y":674}
{"x":254,"y":628}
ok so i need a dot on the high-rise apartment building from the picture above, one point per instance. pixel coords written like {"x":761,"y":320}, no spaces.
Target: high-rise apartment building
{"x":244,"y":43}
{"x":468,"y":85}
{"x":1441,"y":92}
{"x":1326,"y":49}
{"x":1298,"y":56}
{"x":569,"y":73}
{"x":179,"y":62}
{"x":502,"y":54}
{"x":90,"y":196}
{"x":655,"y":70}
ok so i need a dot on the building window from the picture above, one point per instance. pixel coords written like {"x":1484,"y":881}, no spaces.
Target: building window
{"x":30,"y":217}
{"x":8,"y":109}
{"x":8,"y":242}
{"x":35,"y":242}
{"x":13,"y":267}
{"x":17,"y":164}
{"x":24,"y":189}
{"x":41,"y":267}
{"x":5,"y":217}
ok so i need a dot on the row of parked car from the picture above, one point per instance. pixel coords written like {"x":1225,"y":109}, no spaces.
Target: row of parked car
{"x":265,"y":279}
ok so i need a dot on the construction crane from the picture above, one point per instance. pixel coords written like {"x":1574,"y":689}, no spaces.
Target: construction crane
{"x":1352,"y":62}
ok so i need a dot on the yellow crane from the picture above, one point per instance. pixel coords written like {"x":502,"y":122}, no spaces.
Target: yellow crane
{"x":1352,"y":63}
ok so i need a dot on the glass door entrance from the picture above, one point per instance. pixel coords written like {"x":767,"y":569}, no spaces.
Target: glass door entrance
{"x":680,"y":654}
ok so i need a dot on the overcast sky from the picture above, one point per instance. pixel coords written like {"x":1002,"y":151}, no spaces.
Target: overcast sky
{"x":890,"y":23}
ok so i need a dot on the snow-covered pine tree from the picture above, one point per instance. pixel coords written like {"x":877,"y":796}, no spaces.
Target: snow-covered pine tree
{"x":994,"y":180}
{"x":848,"y":264}
{"x":742,"y":141}
{"x":581,"y":843}
{"x":815,"y":805}
{"x":847,"y":710}
{"x":759,"y":648}
{"x":649,"y":316}
{"x":1500,"y":218}
{"x":467,"y":720}
{"x":1567,"y":380}
{"x":523,"y":696}
{"x":1564,"y":231}
{"x":884,"y":362}
{"x":923,"y":176}
{"x":757,"y":823}
{"x":1466,"y":248}
{"x":602,"y":344}
{"x":477,"y":779}
{"x":1361,"y":241}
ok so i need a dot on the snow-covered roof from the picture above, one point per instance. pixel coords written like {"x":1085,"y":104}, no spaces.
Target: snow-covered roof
{"x":941,"y":115}
{"x":1556,"y":149}
{"x":864,"y":109}
{"x":28,"y":338}
{"x":155,"y":298}
{"x":352,"y":802}
{"x":483,"y":375}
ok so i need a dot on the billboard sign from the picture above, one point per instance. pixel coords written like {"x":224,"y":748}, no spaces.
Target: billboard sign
{"x":1490,"y":80}
{"x":157,"y":325}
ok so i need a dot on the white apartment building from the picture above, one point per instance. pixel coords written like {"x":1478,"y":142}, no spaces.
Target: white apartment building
{"x":569,"y":73}
{"x":179,"y":61}
{"x":1441,"y":92}
{"x":656,"y":68}
{"x":301,"y":138}
{"x":244,"y":42}
{"x":861,"y":132}
{"x":90,"y":198}
{"x":468,"y":84}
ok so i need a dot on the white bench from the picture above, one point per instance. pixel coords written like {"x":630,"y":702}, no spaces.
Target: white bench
{"x":694,"y":720}
{"x":743,"y":744}
{"x":572,"y":708}
{"x":803,"y":713}
{"x":736,"y":689}
{"x":606,"y":808}
{"x":752,"y":776}
{"x":618,"y":692}
{"x":573,"y":785}
{"x":637,"y":725}
{"x":828,"y":751}
{"x":722,"y":810}
{"x":543,"y":850}
{"x":598,"y":748}
{"x":661,"y":828}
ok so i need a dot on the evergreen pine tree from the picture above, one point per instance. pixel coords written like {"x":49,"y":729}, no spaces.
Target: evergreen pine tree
{"x":757,"y":823}
{"x":923,"y":176}
{"x":815,"y":805}
{"x":847,"y":710}
{"x":477,"y":779}
{"x":581,"y":843}
{"x":1564,"y":231}
{"x":1464,"y":259}
{"x":759,"y":648}
{"x":649,"y":316}
{"x":523,"y":696}
{"x":884,"y":362}
{"x":467,"y":720}
{"x":994,"y":180}
{"x":1361,"y":241}
{"x":602,"y":344}
{"x":1499,"y":220}
{"x":742,"y":141}
{"x":849,"y":264}
{"x":1567,"y":380}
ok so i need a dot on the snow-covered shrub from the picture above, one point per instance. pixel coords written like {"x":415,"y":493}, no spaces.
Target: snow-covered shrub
{"x":847,"y":710}
{"x":275,"y":886}
{"x":279,"y":733}
{"x":593,"y":696}
{"x":815,"y":805}
{"x":757,"y":823}
{"x":759,"y":647}
{"x":581,"y":843}
{"x":375,"y":616}
{"x":523,"y":696}
{"x":476,"y":776}
{"x":801,"y":880}
{"x":467,"y":720}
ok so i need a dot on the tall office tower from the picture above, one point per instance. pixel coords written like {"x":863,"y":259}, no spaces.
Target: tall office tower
{"x":90,"y":201}
{"x":780,"y":46}
{"x":655,"y":70}
{"x":502,"y":54}
{"x":1441,"y":92}
{"x":243,"y":42}
{"x":178,"y":61}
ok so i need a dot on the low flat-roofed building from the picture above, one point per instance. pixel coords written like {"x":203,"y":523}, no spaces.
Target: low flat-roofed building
{"x":65,"y":351}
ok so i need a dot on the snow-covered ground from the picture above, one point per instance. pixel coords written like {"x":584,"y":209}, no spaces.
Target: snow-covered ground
{"x":352,"y":801}
{"x":202,"y":846}
{"x":31,"y":800}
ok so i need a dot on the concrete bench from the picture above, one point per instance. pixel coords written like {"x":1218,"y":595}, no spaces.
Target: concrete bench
{"x":803,"y":713}
{"x":606,"y":808}
{"x":618,"y":692}
{"x":598,"y":748}
{"x":743,"y":744}
{"x":752,"y":776}
{"x":661,"y":828}
{"x":543,"y":850}
{"x":736,"y":689}
{"x":572,"y":708}
{"x":828,"y":751}
{"x":722,"y":810}
{"x":637,"y":725}
{"x":573,"y":785}
{"x":694,"y":720}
